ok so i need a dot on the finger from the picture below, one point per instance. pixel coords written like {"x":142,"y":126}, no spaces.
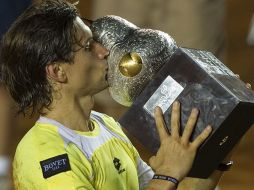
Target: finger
{"x":190,"y":126}
{"x":160,"y":123}
{"x":175,"y":120}
{"x":202,"y":137}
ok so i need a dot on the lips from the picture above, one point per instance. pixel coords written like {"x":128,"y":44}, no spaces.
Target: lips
{"x":106,"y":76}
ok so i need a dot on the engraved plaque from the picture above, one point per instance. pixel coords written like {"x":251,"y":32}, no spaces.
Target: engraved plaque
{"x":164,"y":96}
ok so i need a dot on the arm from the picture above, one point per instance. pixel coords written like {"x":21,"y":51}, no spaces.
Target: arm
{"x":176,"y":153}
{"x":201,"y":184}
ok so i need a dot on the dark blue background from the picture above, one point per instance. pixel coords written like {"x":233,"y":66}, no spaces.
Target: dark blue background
{"x":9,"y":11}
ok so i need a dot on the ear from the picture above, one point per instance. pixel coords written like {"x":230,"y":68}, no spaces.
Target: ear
{"x":56,"y":72}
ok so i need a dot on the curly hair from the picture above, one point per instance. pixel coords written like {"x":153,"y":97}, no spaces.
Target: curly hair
{"x":45,"y":33}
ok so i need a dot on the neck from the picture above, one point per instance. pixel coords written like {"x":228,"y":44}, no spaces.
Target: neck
{"x":73,"y":113}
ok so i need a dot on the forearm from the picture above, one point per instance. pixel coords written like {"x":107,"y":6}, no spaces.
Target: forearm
{"x":156,"y":184}
{"x":201,"y":184}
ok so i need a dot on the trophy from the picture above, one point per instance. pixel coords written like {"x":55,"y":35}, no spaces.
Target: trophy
{"x":148,"y":69}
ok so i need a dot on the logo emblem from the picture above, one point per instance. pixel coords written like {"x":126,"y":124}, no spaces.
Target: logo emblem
{"x":117,"y":165}
{"x":55,"y":165}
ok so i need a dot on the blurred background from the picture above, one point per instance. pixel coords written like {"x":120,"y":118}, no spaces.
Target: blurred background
{"x":224,"y":27}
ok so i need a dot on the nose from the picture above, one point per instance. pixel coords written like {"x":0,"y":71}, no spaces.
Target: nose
{"x":100,"y":51}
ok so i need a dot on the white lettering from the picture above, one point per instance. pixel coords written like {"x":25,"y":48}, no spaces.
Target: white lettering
{"x":54,"y":165}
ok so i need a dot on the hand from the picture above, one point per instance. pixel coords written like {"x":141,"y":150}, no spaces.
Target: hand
{"x":176,"y":153}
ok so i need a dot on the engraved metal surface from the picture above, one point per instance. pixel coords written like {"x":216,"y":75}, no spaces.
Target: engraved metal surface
{"x":121,"y":38}
{"x":208,"y":62}
{"x":164,"y":96}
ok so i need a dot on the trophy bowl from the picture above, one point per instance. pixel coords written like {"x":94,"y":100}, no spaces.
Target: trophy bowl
{"x":135,"y":56}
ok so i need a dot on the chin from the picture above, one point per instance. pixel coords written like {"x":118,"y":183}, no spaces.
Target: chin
{"x":104,"y":87}
{"x":101,"y":88}
{"x":105,"y":84}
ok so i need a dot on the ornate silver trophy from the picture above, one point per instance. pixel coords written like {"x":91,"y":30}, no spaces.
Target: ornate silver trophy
{"x":135,"y":56}
{"x":147,"y":69}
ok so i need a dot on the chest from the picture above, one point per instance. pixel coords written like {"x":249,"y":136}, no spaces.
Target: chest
{"x":114,"y":167}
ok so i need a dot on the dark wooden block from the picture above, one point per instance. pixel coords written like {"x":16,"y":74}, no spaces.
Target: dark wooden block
{"x":197,"y":79}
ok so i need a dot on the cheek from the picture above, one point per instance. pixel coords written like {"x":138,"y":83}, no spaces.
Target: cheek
{"x":89,"y":72}
{"x":88,"y":68}
{"x":84,"y":66}
{"x":94,"y":66}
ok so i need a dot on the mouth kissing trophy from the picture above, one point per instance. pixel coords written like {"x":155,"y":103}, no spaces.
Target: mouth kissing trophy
{"x":147,"y":69}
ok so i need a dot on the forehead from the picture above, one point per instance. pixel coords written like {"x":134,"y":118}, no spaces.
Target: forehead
{"x":83,"y":27}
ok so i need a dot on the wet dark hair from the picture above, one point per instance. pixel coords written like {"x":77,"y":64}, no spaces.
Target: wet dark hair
{"x":44,"y":34}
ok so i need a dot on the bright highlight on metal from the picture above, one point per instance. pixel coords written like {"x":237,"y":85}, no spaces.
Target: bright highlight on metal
{"x":130,"y":64}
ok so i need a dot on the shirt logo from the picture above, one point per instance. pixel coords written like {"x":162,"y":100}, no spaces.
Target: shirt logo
{"x":117,"y":165}
{"x":55,"y":165}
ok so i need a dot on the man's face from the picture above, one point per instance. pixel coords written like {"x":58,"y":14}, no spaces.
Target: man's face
{"x":88,"y":74}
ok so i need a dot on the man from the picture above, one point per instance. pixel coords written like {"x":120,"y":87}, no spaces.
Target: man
{"x":51,"y":65}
